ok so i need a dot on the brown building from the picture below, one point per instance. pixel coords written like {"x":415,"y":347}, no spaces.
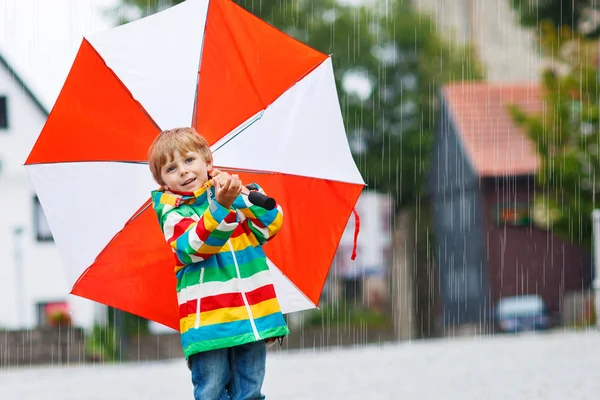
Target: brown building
{"x":482,"y":189}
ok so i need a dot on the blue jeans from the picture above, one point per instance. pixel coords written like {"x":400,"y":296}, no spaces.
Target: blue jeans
{"x":235,"y":373}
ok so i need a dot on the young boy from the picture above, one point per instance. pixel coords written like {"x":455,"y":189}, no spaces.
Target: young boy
{"x":227,"y":302}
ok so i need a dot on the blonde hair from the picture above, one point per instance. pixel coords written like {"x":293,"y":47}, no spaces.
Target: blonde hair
{"x":175,"y":141}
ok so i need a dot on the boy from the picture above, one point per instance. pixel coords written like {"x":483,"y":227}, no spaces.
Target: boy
{"x":227,"y":302}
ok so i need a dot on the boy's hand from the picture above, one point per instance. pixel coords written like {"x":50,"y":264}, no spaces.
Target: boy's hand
{"x":228,"y":187}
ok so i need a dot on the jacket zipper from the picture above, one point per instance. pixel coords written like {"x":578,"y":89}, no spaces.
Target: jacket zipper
{"x":237,"y":269}
{"x":197,"y":325}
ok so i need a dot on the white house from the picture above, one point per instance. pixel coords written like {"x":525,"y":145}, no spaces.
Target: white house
{"x":31,"y":276}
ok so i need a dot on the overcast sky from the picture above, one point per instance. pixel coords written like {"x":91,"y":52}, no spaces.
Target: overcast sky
{"x":40,"y":38}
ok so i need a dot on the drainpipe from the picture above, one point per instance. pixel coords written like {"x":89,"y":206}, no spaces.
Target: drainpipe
{"x":19,"y":274}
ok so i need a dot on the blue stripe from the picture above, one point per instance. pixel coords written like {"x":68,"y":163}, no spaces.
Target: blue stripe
{"x":215,"y":331}
{"x":218,"y":211}
{"x":268,"y":218}
{"x":270,"y":321}
{"x":212,"y":241}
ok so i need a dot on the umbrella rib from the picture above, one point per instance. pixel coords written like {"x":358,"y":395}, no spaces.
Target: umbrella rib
{"x":234,"y":133}
{"x":118,"y":79}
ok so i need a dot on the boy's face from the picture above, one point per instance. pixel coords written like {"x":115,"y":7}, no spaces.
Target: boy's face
{"x":185,"y":172}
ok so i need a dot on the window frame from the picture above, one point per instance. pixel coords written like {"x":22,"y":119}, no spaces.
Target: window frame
{"x":3,"y":112}
{"x":43,"y":237}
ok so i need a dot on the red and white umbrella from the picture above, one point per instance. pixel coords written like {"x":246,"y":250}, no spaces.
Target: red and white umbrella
{"x":266,"y":103}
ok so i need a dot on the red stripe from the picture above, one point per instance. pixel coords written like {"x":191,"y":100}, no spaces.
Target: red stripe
{"x":227,"y":300}
{"x":188,"y":308}
{"x":231,"y":217}
{"x":261,"y":294}
{"x":221,"y":301}
{"x":202,"y":232}
{"x":180,"y":227}
{"x":238,"y":231}
{"x":210,"y":303}
{"x":257,"y":222}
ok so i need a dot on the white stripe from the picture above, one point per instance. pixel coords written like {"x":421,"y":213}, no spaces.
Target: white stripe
{"x":169,"y":228}
{"x":264,"y":231}
{"x":231,"y":286}
{"x":248,"y":309}
{"x":227,"y":226}
{"x":199,"y":301}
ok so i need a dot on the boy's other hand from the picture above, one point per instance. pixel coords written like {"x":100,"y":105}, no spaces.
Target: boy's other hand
{"x":228,"y":187}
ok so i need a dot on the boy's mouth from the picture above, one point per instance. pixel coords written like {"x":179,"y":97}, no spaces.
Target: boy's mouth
{"x":188,"y":181}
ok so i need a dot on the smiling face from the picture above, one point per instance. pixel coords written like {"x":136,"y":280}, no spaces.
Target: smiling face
{"x":185,"y":172}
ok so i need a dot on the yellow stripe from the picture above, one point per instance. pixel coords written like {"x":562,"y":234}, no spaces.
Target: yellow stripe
{"x":210,"y":223}
{"x":264,"y":308}
{"x":247,"y":213}
{"x":187,"y":323}
{"x":276,"y":224}
{"x":242,"y":242}
{"x":223,"y":315}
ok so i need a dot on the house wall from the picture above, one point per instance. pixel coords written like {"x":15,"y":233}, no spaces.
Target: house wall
{"x":456,"y":207}
{"x":526,"y":259}
{"x":507,"y":50}
{"x":35,"y":276}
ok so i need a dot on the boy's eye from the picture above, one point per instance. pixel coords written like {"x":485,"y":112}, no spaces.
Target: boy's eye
{"x":189,"y":159}
{"x":171,"y":168}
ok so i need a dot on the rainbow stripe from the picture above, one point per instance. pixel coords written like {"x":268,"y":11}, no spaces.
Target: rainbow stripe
{"x":224,"y":287}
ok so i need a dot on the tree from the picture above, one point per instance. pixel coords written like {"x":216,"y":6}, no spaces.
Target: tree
{"x":567,"y":137}
{"x":389,"y":64}
{"x":580,"y":16}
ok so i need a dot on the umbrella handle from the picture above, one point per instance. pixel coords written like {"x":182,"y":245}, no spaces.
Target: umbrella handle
{"x":259,"y":199}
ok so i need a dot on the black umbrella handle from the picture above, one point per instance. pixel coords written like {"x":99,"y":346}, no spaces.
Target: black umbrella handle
{"x":259,"y":199}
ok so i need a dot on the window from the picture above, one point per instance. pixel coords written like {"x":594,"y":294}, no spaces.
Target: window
{"x":42,"y":229}
{"x":3,"y":113}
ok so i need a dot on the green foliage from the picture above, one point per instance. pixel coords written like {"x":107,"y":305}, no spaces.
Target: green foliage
{"x":574,"y":15}
{"x":400,"y":54}
{"x":567,"y":136}
{"x":132,"y":325}
{"x":340,"y":313}
{"x":102,"y":344}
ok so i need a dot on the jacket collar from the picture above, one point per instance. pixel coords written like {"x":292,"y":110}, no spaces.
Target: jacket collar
{"x":175,"y":199}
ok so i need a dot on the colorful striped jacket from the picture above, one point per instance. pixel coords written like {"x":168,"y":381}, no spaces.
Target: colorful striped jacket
{"x":224,"y":287}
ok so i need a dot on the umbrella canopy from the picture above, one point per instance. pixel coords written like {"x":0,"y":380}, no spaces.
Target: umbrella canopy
{"x":266,"y":103}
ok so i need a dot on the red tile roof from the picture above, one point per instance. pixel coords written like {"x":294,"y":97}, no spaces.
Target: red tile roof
{"x":494,"y":144}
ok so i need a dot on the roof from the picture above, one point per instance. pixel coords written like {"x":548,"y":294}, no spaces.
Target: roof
{"x":492,"y":141}
{"x":21,"y":83}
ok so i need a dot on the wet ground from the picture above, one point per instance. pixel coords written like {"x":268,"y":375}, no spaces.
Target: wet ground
{"x":555,"y":365}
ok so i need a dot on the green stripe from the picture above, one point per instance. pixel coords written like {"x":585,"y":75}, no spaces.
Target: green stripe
{"x":223,"y":343}
{"x":259,"y":236}
{"x":258,"y":211}
{"x":222,"y":274}
{"x":275,"y":332}
{"x":222,"y":235}
{"x":207,"y":345}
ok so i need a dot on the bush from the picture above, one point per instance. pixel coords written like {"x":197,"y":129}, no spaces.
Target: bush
{"x":340,"y":313}
{"x":101,"y":344}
